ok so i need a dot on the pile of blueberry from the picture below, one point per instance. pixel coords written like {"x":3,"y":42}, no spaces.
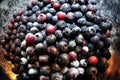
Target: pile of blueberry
{"x":58,"y":40}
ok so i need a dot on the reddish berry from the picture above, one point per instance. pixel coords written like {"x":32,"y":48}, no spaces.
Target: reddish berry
{"x":6,"y":54}
{"x":30,"y":38}
{"x":10,"y":26}
{"x":56,"y":5}
{"x":93,"y":60}
{"x":73,"y":55}
{"x":18,"y":18}
{"x":20,"y":12}
{"x":61,"y":15}
{"x":12,"y":20}
{"x":50,"y":29}
{"x":42,"y":17}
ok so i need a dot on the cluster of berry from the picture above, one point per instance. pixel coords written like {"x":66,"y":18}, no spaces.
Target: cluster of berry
{"x":58,"y":40}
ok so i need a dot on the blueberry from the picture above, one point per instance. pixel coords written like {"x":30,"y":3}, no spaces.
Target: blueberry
{"x":78,"y":14}
{"x":51,"y":39}
{"x":61,"y":24}
{"x":63,"y":46}
{"x":81,"y":21}
{"x":90,"y":15}
{"x":72,"y":45}
{"x":76,"y":30}
{"x":55,"y":19}
{"x":49,"y":16}
{"x":67,"y":32}
{"x":75,"y":6}
{"x":70,"y":16}
{"x":90,"y":46}
{"x":41,"y":4}
{"x":35,"y":8}
{"x":79,"y":39}
{"x":52,"y":11}
{"x":59,"y":34}
{"x":83,"y":8}
{"x":22,"y":28}
{"x":65,"y":7}
{"x":44,"y":10}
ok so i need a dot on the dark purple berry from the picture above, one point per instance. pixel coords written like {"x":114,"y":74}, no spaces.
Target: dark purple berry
{"x":43,"y":59}
{"x":75,"y":6}
{"x":40,"y":47}
{"x":45,"y":70}
{"x":70,"y":16}
{"x":63,"y":46}
{"x":49,"y":16}
{"x":65,"y":7}
{"x":83,"y":8}
{"x":22,"y":28}
{"x":52,"y":11}
{"x":90,"y":46}
{"x":81,"y":21}
{"x":61,"y":24}
{"x":79,"y":39}
{"x":78,"y":14}
{"x":90,"y":15}
{"x":72,"y":45}
{"x":84,"y":1}
{"x":59,"y":34}
{"x":52,"y":50}
{"x":55,"y":19}
{"x":38,"y":37}
{"x":35,"y":8}
{"x":67,"y":32}
{"x":34,"y":30}
{"x":63,"y":59}
{"x":76,"y":30}
{"x":50,"y":39}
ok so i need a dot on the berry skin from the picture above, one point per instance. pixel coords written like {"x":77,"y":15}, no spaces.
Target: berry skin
{"x":12,"y":20}
{"x":61,"y":24}
{"x":65,"y":7}
{"x":63,"y":59}
{"x":42,"y":17}
{"x":59,"y":34}
{"x":78,"y":14}
{"x":50,"y":29}
{"x":61,"y":15}
{"x":70,"y":16}
{"x":63,"y":46}
{"x":30,"y":38}
{"x":56,"y":5}
{"x":10,"y":26}
{"x":92,"y":7}
{"x":93,"y":60}
{"x":79,"y":39}
{"x":75,"y":6}
{"x":73,"y":55}
{"x":83,"y":63}
{"x":51,"y":39}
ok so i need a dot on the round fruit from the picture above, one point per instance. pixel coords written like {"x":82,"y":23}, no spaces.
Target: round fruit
{"x":93,"y":60}
{"x":42,"y":17}
{"x":73,"y":55}
{"x":61,"y":15}
{"x":10,"y":26}
{"x":56,"y":5}
{"x":30,"y":38}
{"x":50,"y":29}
